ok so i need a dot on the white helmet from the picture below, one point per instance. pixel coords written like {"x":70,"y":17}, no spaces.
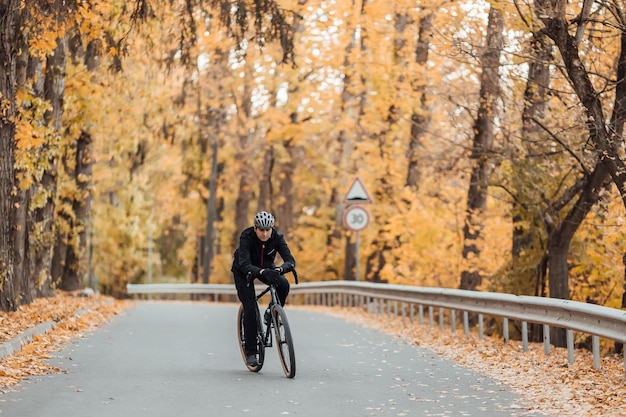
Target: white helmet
{"x":264,"y":220}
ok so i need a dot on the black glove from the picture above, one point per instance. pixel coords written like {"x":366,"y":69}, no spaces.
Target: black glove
{"x":271,"y":276}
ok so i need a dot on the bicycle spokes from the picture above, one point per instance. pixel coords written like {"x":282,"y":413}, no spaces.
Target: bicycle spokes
{"x":284,"y":342}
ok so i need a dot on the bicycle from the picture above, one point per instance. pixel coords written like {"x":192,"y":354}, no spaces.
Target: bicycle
{"x":282,"y":333}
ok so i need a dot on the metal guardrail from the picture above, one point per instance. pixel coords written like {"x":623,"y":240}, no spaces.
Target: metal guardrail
{"x":597,"y":321}
{"x":164,"y":289}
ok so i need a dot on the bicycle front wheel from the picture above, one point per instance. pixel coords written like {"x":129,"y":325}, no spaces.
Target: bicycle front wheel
{"x":284,"y":342}
{"x":258,"y":341}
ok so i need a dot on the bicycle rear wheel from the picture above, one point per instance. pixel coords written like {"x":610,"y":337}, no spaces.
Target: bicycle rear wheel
{"x":284,"y":342}
{"x":260,"y":346}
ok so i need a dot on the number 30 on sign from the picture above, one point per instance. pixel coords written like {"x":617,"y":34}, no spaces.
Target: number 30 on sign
{"x":356,"y":218}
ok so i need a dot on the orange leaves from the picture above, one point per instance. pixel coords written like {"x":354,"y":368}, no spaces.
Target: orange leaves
{"x":547,"y":384}
{"x":30,"y":133}
{"x":28,"y":137}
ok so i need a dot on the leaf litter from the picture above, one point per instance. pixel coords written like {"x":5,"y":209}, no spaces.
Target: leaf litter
{"x":73,"y":316}
{"x":547,"y":383}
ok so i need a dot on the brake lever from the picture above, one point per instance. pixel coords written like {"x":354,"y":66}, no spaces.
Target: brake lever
{"x":293,"y":271}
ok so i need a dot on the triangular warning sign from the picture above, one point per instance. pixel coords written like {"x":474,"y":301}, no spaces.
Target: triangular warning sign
{"x":357,"y":194}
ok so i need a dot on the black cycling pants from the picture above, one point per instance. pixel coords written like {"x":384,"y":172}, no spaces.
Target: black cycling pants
{"x":247,"y":294}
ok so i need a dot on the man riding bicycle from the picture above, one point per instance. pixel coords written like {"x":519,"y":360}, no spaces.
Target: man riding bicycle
{"x":258,"y":246}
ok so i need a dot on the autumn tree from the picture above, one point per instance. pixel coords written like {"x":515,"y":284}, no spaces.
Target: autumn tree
{"x":21,"y":239}
{"x":8,"y":60}
{"x":484,"y":131}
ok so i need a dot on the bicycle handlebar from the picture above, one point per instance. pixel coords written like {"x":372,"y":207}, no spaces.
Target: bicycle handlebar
{"x":293,"y":271}
{"x":249,"y":278}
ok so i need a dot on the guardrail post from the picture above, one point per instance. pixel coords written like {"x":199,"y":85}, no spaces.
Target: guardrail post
{"x":431,"y":316}
{"x":395,"y":309}
{"x":411,"y":312}
{"x":595,"y":342}
{"x":546,"y":339}
{"x":453,"y":320}
{"x":480,"y":326}
{"x":505,"y":329}
{"x":466,"y":323}
{"x":525,"y":336}
{"x":570,"y":346}
{"x":420,"y":314}
{"x":440,"y":318}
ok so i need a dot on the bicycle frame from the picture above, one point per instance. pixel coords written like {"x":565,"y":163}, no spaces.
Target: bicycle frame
{"x":266,"y":334}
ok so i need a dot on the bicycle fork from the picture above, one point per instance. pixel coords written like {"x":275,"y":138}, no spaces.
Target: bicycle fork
{"x":268,"y":339}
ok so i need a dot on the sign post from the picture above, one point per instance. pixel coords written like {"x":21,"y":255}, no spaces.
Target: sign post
{"x":356,"y":217}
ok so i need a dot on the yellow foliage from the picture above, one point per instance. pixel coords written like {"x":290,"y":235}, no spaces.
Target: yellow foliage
{"x":348,"y":108}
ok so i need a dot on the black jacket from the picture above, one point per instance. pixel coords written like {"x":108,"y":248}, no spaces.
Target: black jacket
{"x":254,"y":255}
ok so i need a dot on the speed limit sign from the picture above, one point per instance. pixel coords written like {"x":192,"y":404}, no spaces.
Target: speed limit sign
{"x":356,"y":218}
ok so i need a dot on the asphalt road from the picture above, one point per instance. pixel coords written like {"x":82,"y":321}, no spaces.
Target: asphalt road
{"x":182,"y":359}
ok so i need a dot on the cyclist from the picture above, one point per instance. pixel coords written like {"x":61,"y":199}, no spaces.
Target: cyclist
{"x":254,"y":258}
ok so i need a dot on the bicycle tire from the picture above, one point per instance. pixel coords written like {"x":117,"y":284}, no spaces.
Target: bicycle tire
{"x":259,"y":341}
{"x":284,"y":342}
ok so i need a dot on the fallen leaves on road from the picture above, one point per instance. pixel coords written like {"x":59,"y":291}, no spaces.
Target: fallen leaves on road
{"x":548,"y":384}
{"x":73,"y":316}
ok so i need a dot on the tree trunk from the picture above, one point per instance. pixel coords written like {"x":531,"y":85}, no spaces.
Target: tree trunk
{"x":74,"y":268}
{"x":619,"y":347}
{"x":353,"y":101}
{"x":244,"y":197}
{"x":471,"y":277}
{"x":54,"y":89}
{"x":68,"y":261}
{"x":349,"y":265}
{"x":9,"y":10}
{"x":25,"y":286}
{"x":560,"y":238}
{"x":420,"y":118}
{"x":242,"y":204}
{"x":266,"y":187}
{"x":210,"y":232}
{"x":535,"y":101}
{"x":284,"y":208}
